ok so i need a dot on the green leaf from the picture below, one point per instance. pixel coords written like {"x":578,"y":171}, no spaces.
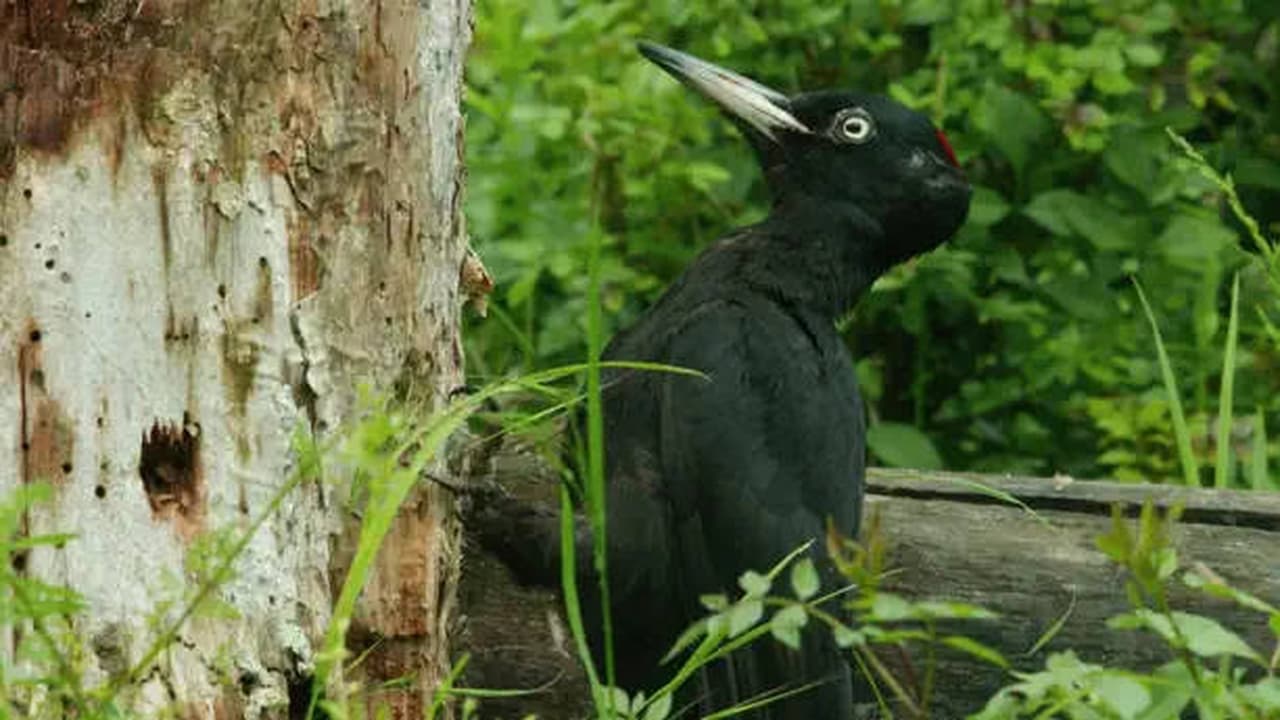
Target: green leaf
{"x":1226,"y":461}
{"x":659,"y":708}
{"x":715,"y":603}
{"x":1013,"y":124}
{"x":847,"y":637}
{"x":1193,"y":238}
{"x":1166,"y":562}
{"x":900,"y":445}
{"x":785,"y":625}
{"x":987,"y":207}
{"x":976,"y":649}
{"x":1264,"y":696}
{"x":926,"y":12}
{"x":1137,"y":159}
{"x":743,"y":615}
{"x":1144,"y":54}
{"x":691,"y":634}
{"x":754,"y":584}
{"x":1258,"y":477}
{"x":1053,"y":210}
{"x":1204,"y":636}
{"x":1203,"y":579}
{"x":618,"y":697}
{"x":1126,"y":696}
{"x":1187,"y":459}
{"x":887,"y":607}
{"x":1258,"y":172}
{"x":941,"y":610}
{"x":804,"y":579}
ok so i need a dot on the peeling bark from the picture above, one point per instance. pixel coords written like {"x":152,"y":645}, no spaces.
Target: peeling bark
{"x":216,"y":220}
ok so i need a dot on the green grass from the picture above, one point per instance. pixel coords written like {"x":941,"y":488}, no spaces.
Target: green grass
{"x":1190,"y":468}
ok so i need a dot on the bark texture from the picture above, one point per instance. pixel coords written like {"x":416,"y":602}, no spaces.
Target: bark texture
{"x":217,"y":219}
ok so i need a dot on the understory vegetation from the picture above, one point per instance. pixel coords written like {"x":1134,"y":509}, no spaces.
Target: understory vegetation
{"x":1019,"y":347}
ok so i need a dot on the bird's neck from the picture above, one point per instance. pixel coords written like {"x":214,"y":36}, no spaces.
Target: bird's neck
{"x":822,"y":252}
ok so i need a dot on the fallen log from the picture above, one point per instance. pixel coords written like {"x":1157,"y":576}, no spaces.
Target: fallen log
{"x":950,"y":536}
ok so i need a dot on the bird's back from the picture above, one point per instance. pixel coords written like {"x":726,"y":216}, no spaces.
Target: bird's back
{"x":710,"y":477}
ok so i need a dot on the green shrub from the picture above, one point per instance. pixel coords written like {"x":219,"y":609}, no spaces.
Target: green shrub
{"x":999,"y":347}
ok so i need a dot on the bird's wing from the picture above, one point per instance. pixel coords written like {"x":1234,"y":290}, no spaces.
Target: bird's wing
{"x":762,"y":452}
{"x":755,"y":459}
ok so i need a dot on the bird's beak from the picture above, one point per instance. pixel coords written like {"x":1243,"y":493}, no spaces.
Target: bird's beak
{"x":763,"y":108}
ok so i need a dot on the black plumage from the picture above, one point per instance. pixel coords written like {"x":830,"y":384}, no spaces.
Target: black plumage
{"x":711,"y":477}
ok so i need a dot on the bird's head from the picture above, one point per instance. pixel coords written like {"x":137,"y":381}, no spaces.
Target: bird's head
{"x":842,"y":147}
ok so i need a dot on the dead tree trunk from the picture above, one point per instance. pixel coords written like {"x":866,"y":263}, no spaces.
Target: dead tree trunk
{"x":216,"y":220}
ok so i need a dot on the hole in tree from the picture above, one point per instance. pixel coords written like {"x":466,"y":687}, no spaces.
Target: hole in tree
{"x":169,"y":466}
{"x":299,"y":696}
{"x":100,"y":491}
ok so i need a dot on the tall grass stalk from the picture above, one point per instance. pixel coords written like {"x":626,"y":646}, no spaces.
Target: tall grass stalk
{"x":1190,"y":471}
{"x":1258,"y":477}
{"x":1225,"y":464}
{"x":595,"y":485}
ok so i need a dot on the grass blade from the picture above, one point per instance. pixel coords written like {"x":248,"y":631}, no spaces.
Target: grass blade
{"x":1222,"y":469}
{"x":595,"y":485}
{"x":1190,"y":472}
{"x":1055,"y":628}
{"x":761,"y":700}
{"x":1258,"y":479}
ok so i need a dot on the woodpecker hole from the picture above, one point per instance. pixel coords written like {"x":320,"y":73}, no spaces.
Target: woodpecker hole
{"x":48,"y":264}
{"x":299,"y":689}
{"x":35,"y":336}
{"x":169,"y":466}
{"x":100,"y":491}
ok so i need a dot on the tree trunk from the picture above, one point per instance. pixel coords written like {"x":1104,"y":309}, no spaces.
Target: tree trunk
{"x":216,"y":220}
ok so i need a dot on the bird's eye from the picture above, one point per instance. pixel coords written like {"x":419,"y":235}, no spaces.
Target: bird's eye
{"x":854,"y":126}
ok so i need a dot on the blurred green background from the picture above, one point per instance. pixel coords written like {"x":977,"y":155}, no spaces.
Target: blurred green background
{"x":1019,"y":347}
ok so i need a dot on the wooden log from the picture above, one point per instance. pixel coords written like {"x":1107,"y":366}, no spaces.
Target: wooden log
{"x":951,"y":539}
{"x":950,"y":536}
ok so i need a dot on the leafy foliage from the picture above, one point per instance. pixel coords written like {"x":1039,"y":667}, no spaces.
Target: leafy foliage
{"x":1015,"y":348}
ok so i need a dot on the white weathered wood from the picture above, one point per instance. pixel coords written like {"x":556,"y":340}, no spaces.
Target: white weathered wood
{"x":221,"y":218}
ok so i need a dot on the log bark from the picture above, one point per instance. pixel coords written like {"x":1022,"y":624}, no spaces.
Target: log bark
{"x":948,"y":538}
{"x":217,"y":219}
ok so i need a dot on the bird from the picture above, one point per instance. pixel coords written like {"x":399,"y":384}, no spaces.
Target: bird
{"x":712,"y":475}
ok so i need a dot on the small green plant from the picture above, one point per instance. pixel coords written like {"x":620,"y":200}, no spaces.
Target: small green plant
{"x":44,"y":677}
{"x":1213,"y":671}
{"x":1225,"y":461}
{"x":862,"y":617}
